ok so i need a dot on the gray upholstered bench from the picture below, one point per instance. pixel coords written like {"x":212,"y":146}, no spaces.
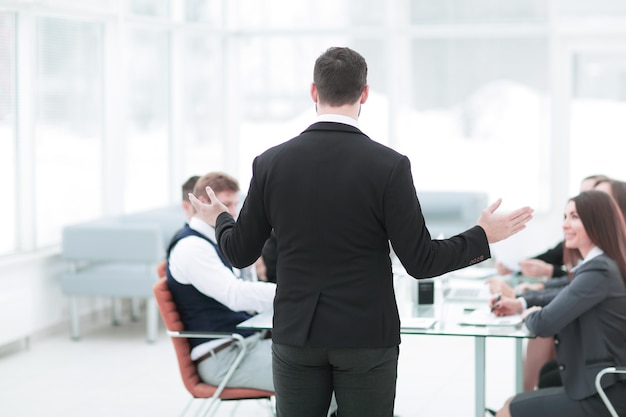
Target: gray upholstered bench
{"x":117,"y":257}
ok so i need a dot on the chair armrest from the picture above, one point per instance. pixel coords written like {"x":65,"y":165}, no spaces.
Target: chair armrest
{"x":203,"y":335}
{"x":605,"y":399}
{"x":214,"y":335}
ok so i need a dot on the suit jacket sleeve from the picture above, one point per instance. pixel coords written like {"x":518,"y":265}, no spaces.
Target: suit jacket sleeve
{"x":411,"y":240}
{"x":558,"y":282}
{"x":541,"y":298}
{"x":242,"y":245}
{"x":552,"y":288}
{"x":584,"y":292}
{"x":402,"y":220}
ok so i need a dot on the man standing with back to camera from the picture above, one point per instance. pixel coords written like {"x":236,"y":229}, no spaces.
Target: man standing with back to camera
{"x":335,"y":199}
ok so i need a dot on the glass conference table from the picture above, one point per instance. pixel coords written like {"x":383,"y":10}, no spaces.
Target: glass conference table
{"x":443,"y":318}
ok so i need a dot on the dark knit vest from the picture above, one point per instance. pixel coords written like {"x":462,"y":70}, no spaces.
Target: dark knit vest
{"x":198,"y":311}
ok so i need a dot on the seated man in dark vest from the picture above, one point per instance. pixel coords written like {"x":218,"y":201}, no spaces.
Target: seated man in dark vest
{"x":210,"y":297}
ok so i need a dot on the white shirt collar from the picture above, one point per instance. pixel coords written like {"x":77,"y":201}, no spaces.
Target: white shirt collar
{"x":338,"y":118}
{"x":202,"y":227}
{"x":594,"y":252}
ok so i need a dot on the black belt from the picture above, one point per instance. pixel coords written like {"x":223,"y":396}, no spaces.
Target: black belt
{"x":214,"y":351}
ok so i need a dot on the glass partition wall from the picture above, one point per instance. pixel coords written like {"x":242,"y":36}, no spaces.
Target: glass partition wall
{"x":597,"y":112}
{"x":8,"y":134}
{"x":454,"y":86}
{"x":107,"y":107}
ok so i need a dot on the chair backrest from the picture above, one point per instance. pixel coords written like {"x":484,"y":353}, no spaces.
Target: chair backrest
{"x":188,"y":372}
{"x":172,"y":321}
{"x":162,"y":269}
{"x":196,"y":387}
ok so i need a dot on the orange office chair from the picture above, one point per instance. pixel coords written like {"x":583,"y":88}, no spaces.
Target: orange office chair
{"x":162,"y":269}
{"x":210,"y":394}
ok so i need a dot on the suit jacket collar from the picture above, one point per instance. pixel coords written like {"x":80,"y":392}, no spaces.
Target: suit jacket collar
{"x":333,"y":126}
{"x":593,"y":253}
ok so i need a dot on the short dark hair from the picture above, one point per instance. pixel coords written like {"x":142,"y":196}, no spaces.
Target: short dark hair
{"x":188,"y":186}
{"x":218,"y":181}
{"x":340,"y":75}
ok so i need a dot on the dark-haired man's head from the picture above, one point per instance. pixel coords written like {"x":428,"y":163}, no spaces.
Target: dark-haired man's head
{"x":340,"y":76}
{"x":186,"y":189}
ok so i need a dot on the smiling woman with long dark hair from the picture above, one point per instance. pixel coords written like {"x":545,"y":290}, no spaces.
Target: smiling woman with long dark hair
{"x":587,"y":318}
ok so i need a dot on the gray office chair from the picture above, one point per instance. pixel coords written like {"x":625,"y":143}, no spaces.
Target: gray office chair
{"x":605,"y":399}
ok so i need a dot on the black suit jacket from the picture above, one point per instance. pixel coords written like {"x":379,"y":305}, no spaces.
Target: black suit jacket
{"x":554,"y":256}
{"x":335,"y":199}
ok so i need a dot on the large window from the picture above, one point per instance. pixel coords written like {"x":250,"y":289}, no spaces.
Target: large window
{"x":317,"y":15}
{"x":585,"y":8}
{"x":8,"y":220}
{"x":153,"y":8}
{"x":107,"y":107}
{"x":202,"y":86}
{"x":146,"y":174}
{"x":68,"y":130}
{"x":478,"y":11}
{"x":206,"y":11}
{"x":598,"y":115}
{"x":475,"y":116}
{"x":275,"y":104}
{"x":457,"y":100}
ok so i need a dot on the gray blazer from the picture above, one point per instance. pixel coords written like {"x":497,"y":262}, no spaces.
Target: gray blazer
{"x":588,"y":322}
{"x":543,"y":297}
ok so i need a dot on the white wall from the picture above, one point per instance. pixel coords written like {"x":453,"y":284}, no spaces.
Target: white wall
{"x":31,"y":298}
{"x":31,"y":301}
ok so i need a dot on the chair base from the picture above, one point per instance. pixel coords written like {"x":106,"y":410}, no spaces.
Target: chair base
{"x":207,"y":407}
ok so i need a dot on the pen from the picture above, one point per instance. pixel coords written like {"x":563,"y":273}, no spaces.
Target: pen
{"x":495,"y":303}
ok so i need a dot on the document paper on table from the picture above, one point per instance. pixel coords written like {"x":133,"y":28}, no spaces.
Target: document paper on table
{"x":484,"y":317}
{"x":417,"y":322}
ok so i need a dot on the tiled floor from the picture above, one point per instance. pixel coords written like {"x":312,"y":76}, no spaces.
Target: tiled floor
{"x":112,"y":371}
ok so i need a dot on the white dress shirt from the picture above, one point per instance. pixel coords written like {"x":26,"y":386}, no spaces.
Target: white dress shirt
{"x":194,"y":261}
{"x":338,"y":118}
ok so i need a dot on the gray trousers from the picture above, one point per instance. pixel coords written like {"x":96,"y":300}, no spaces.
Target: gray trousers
{"x":255,"y":371}
{"x":363,"y":380}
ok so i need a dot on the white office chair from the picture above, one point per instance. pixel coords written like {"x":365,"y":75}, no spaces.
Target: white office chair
{"x":605,"y":399}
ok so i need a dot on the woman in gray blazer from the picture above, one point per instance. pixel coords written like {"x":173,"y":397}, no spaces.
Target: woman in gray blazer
{"x":587,"y":318}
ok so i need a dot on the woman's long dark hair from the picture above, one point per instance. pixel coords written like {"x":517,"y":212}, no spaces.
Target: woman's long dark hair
{"x":618,"y":192}
{"x":605,"y":226}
